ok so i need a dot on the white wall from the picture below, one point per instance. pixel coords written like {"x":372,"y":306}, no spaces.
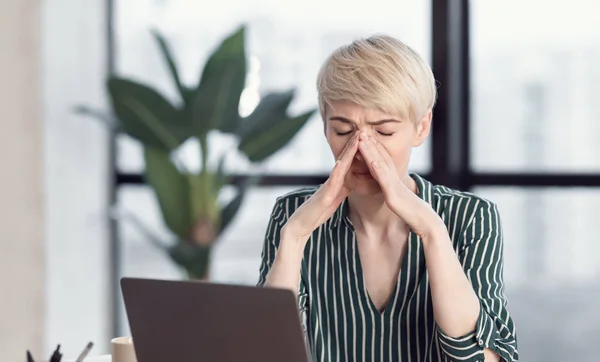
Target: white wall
{"x":21,"y":182}
{"x":74,"y":68}
{"x":53,"y":196}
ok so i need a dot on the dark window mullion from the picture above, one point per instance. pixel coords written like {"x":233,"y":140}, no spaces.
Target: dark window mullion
{"x":474,"y":179}
{"x":450,"y":63}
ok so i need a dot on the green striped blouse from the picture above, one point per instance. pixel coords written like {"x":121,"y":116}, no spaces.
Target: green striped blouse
{"x":341,"y":322}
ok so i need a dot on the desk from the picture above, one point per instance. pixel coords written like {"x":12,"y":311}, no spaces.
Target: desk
{"x":103,"y":358}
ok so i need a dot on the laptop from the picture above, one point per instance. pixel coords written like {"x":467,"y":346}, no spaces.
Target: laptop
{"x":181,"y":321}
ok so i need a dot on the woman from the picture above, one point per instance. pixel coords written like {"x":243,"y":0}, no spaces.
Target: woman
{"x":387,"y":266}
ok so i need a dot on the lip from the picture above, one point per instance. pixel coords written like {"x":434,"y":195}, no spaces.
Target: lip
{"x":362,"y":175}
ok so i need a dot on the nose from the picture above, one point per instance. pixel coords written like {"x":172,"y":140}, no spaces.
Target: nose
{"x":358,"y":155}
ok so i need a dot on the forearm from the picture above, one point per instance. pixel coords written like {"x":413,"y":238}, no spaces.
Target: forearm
{"x":455,"y":304}
{"x":285,"y":271}
{"x":466,"y":312}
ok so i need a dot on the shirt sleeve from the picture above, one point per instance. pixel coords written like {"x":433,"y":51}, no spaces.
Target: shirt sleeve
{"x":277,"y":219}
{"x":481,"y":254}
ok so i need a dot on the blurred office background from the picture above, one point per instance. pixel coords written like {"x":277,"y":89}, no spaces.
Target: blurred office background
{"x":518,"y":122}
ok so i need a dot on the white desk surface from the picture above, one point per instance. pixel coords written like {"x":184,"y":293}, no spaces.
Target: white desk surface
{"x":103,"y":358}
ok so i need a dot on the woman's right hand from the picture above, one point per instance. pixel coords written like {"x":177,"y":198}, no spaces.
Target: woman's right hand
{"x":323,"y":203}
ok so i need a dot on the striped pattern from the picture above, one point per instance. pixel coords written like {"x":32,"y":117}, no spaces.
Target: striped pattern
{"x":341,"y":322}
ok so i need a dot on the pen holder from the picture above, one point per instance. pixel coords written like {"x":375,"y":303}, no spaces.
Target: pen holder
{"x":122,"y":350}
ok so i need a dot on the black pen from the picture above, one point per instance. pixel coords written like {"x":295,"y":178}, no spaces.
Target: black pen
{"x":56,"y":356}
{"x":85,"y":352}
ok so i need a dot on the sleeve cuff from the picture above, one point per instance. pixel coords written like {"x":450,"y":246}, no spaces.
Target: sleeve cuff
{"x":469,"y":347}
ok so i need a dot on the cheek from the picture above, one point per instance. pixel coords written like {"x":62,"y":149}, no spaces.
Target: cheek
{"x":399,"y":149}
{"x":336,"y":144}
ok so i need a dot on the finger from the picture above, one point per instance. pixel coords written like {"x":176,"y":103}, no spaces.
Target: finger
{"x":383,"y":153}
{"x":350,"y":149}
{"x":375,"y":162}
{"x":368,"y":149}
{"x":344,"y":162}
{"x":376,"y":148}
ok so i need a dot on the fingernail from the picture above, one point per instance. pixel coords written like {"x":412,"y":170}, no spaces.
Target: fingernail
{"x":365,"y":135}
{"x":363,"y":144}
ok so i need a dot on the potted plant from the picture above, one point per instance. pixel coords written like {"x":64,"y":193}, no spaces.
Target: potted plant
{"x":189,"y":201}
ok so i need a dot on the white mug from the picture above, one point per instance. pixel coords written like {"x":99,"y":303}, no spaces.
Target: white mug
{"x":122,"y":350}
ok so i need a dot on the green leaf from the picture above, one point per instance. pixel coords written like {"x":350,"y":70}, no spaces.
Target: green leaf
{"x":216,"y":104}
{"x":271,"y":108}
{"x":104,"y":117}
{"x":189,"y":94}
{"x":231,"y":209}
{"x":203,"y":198}
{"x":146,"y":115}
{"x":171,"y":189}
{"x":220,"y":178}
{"x":166,"y":52}
{"x":263,"y":142}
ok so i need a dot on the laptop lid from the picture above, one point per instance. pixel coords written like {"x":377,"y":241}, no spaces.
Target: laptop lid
{"x":195,"y":321}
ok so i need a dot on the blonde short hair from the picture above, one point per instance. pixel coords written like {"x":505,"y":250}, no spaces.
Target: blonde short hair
{"x":378,"y":72}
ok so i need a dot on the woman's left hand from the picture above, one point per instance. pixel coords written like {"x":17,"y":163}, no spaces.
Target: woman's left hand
{"x":417,"y":213}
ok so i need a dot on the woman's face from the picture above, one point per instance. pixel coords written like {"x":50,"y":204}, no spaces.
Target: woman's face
{"x":398,"y":136}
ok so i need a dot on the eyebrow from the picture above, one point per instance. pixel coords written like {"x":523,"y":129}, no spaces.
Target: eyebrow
{"x":376,"y":123}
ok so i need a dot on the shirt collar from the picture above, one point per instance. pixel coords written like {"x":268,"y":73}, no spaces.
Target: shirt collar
{"x":340,"y":214}
{"x":424,"y":191}
{"x":424,"y":188}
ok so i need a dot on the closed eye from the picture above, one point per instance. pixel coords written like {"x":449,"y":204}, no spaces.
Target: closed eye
{"x":347,"y":133}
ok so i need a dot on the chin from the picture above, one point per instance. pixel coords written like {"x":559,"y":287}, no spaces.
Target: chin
{"x":365,"y":187}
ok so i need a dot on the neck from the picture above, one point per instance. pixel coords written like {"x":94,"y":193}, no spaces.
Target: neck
{"x":370,"y":213}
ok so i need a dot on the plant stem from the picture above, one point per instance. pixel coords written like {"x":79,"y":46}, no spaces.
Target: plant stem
{"x":204,"y":152}
{"x":204,"y":173}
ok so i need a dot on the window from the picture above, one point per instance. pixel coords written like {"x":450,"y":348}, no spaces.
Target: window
{"x":544,"y":244}
{"x":285,"y":48}
{"x":534,"y":76}
{"x":236,"y":256}
{"x":534,"y":111}
{"x":552,"y":262}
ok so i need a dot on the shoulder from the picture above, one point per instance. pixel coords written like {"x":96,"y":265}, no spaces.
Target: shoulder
{"x":460,"y":210}
{"x":461,"y":204}
{"x":469,"y":218}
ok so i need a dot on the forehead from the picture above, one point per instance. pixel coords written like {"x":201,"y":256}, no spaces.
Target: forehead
{"x":355,"y":112}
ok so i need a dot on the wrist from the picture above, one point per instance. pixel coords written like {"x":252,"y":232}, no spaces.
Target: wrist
{"x":292,"y":239}
{"x":436,"y":234}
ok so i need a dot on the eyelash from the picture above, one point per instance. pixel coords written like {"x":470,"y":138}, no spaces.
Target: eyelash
{"x":347,"y":133}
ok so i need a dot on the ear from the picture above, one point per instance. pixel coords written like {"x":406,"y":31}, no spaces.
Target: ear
{"x":423,"y":129}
